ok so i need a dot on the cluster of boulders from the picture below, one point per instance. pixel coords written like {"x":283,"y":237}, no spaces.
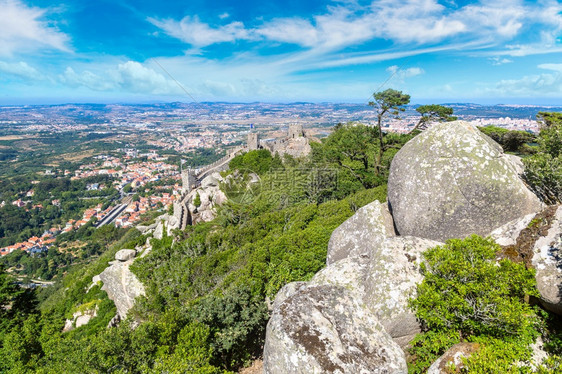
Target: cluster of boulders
{"x":210,"y":196}
{"x":449,"y":182}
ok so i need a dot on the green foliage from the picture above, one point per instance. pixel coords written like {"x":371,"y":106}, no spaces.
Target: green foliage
{"x":468,"y":296}
{"x":427,"y":347}
{"x":543,"y":170}
{"x":258,"y":161}
{"x":197,"y":200}
{"x":549,"y":119}
{"x":511,"y":140}
{"x":433,"y":112}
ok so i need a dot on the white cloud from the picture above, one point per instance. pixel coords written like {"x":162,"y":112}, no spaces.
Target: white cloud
{"x":130,"y":76}
{"x":400,"y":75}
{"x":134,"y":77}
{"x":192,"y":31}
{"x":500,"y":61}
{"x":24,"y":29}
{"x":541,"y":85}
{"x":224,"y":15}
{"x":553,"y":67}
{"x":20,"y":69}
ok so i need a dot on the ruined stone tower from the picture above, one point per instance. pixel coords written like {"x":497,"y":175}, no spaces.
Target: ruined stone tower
{"x":295,"y":131}
{"x":253,"y":141}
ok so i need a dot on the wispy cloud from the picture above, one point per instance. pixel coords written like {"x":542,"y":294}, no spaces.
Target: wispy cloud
{"x":24,"y":29}
{"x":541,"y":85}
{"x":131,"y":77}
{"x":21,"y":70}
{"x":199,"y":34}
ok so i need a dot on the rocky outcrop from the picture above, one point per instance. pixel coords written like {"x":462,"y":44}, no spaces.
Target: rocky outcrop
{"x":80,"y":318}
{"x":391,"y":280}
{"x":370,"y":272}
{"x":452,"y":181}
{"x":453,"y":357}
{"x":324,"y":329}
{"x":210,"y":196}
{"x":362,"y":232}
{"x":121,"y":285}
{"x":536,"y":239}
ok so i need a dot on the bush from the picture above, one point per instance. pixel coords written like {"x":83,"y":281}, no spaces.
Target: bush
{"x":468,"y":295}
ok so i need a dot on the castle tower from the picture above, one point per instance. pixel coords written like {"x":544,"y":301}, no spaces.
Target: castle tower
{"x":253,"y":141}
{"x":187,"y":180}
{"x":295,"y":131}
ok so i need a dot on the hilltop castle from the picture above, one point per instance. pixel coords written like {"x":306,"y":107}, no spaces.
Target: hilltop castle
{"x":296,"y":143}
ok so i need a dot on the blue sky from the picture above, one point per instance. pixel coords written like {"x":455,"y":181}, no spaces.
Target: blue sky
{"x":488,"y":51}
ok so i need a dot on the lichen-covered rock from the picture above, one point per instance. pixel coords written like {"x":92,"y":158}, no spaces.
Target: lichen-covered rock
{"x":121,"y":285}
{"x":392,"y":278}
{"x":452,"y":181}
{"x":125,"y":254}
{"x":453,"y":358}
{"x":349,"y":273}
{"x":362,"y":232}
{"x":537,"y":240}
{"x":324,"y":329}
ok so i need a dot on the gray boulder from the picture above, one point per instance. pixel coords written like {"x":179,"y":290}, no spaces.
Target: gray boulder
{"x":392,"y":278}
{"x":537,"y":240}
{"x":349,"y":273}
{"x":324,"y":329}
{"x":125,"y":255}
{"x":453,"y":358}
{"x":121,"y":285}
{"x":362,"y":232}
{"x":452,"y":181}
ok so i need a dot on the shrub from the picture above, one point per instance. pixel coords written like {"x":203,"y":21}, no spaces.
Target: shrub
{"x":468,"y":296}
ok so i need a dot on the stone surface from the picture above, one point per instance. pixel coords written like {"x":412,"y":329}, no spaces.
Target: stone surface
{"x":538,"y":238}
{"x":362,"y":232}
{"x":79,"y":319}
{"x":121,"y":285}
{"x":125,"y":254}
{"x":324,"y":329}
{"x":453,"y":356}
{"x":452,"y":181}
{"x":349,"y":273}
{"x":392,"y":278}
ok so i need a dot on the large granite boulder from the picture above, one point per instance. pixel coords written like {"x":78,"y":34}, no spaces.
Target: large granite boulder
{"x":452,"y":181}
{"x":392,"y":278}
{"x":125,"y":255}
{"x":536,"y":239}
{"x":121,"y":285}
{"x":324,"y":329}
{"x":361,"y":233}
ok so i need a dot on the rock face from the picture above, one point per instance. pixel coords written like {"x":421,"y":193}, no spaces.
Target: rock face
{"x":121,"y":285}
{"x":362,"y":232}
{"x":537,"y":240}
{"x":125,"y":255}
{"x":452,"y":181}
{"x":323,"y":329}
{"x":391,"y":280}
{"x":210,"y":196}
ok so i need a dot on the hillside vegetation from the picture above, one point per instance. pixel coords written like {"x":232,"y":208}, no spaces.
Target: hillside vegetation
{"x":208,"y":288}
